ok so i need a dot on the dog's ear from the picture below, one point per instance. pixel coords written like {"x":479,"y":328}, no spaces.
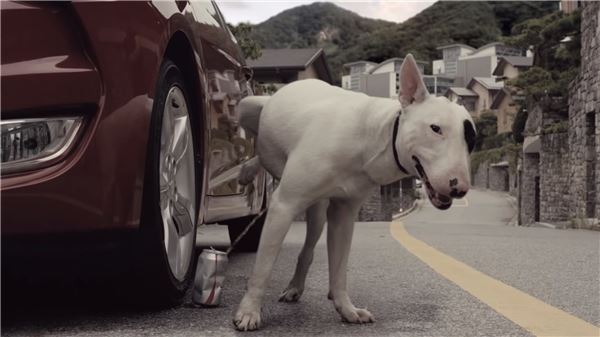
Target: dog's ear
{"x":412,"y":87}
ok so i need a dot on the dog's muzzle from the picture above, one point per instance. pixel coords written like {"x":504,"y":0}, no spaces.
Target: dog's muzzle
{"x":438,"y":200}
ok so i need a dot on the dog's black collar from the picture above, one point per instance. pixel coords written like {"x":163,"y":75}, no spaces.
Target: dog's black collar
{"x":395,"y":135}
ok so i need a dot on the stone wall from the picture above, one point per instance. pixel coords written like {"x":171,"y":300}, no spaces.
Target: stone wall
{"x":387,"y":200}
{"x":383,"y":202}
{"x":409,"y":193}
{"x":498,"y":178}
{"x":554,"y":178}
{"x":527,"y":188}
{"x":371,"y":208}
{"x":513,"y":183}
{"x":480,"y":177}
{"x":584,"y":121}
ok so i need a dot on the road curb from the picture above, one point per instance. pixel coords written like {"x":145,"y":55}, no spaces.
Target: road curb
{"x":416,"y":204}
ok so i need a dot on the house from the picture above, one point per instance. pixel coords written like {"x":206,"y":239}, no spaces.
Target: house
{"x":355,"y":79}
{"x":505,"y":109}
{"x":463,"y":62}
{"x":438,"y":84}
{"x":478,"y":96}
{"x":383,"y":79}
{"x":448,"y":65}
{"x":486,"y":89}
{"x":483,"y":61}
{"x":569,"y":6}
{"x":463,"y":96}
{"x":509,"y":67}
{"x":506,"y":104}
{"x":277,"y":67}
{"x":376,"y":79}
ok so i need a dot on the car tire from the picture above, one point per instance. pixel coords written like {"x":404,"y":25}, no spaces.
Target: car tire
{"x":250,"y":241}
{"x":166,"y":255}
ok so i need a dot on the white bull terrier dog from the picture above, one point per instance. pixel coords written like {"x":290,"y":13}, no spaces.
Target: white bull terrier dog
{"x":329,"y":148}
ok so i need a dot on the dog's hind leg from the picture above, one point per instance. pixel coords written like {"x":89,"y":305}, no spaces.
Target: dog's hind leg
{"x":316,"y":216}
{"x":340,"y":218}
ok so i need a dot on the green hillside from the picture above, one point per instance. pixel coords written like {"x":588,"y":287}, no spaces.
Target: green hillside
{"x":346,"y":36}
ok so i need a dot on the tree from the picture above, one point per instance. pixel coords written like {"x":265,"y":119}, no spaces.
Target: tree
{"x":555,"y":40}
{"x":508,"y":13}
{"x":250,"y":48}
{"x":545,"y":34}
{"x":519,"y":125}
{"x":486,"y":126}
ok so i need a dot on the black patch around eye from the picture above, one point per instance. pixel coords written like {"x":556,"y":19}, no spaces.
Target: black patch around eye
{"x":469,"y":135}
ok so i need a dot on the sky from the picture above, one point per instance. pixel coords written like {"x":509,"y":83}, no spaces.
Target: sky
{"x":253,"y":11}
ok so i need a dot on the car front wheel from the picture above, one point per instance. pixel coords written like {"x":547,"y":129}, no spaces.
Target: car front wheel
{"x":171,"y":194}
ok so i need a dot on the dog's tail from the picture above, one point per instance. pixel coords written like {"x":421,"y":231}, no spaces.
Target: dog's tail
{"x":250,"y":109}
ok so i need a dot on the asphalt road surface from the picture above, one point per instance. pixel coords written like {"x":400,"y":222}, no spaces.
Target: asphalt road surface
{"x":461,"y":272}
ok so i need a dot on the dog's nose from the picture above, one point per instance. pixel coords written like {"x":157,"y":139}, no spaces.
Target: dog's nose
{"x":458,"y":189}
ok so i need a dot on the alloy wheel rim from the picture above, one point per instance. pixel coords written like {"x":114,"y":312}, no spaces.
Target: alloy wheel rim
{"x":177,"y":183}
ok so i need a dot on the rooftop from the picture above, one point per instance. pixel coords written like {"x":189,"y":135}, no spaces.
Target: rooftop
{"x":455,"y":45}
{"x":488,"y":82}
{"x":516,"y":61}
{"x":490,"y":45}
{"x":394,"y":59}
{"x":359,"y":62}
{"x":462,"y":91}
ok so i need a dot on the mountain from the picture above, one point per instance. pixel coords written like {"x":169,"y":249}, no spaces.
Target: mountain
{"x":346,"y":36}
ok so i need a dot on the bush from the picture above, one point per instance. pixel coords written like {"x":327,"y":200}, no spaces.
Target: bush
{"x":496,"y":141}
{"x":510,"y":150}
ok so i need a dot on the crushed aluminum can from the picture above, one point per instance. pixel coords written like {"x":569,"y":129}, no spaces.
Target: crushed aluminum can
{"x":210,"y":273}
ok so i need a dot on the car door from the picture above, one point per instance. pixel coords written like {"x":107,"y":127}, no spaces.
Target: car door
{"x":229,"y":145}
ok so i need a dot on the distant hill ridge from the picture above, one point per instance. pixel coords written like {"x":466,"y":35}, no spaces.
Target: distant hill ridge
{"x":346,"y":36}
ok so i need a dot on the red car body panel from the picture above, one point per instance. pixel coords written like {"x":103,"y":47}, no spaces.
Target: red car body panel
{"x":101,"y":60}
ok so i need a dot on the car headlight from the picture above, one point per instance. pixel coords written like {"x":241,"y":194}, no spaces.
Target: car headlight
{"x":32,"y":143}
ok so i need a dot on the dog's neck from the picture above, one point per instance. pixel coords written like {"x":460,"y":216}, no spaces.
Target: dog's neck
{"x":380,"y":165}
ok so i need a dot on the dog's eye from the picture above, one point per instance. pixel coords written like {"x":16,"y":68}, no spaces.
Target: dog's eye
{"x":436,"y":129}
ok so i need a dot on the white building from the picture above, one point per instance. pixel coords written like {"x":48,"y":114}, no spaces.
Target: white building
{"x":383,"y":79}
{"x":448,"y":65}
{"x":464,"y":62}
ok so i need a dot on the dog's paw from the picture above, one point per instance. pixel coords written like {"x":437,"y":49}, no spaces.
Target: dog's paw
{"x":356,"y":316}
{"x":291,"y":294}
{"x":247,"y":320}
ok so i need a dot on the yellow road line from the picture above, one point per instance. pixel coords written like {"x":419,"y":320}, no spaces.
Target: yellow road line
{"x":523,"y":309}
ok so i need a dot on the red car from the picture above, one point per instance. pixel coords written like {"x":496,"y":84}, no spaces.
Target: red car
{"x":121,"y":118}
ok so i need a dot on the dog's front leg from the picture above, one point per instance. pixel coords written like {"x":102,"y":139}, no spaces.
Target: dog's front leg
{"x":277,"y":224}
{"x":340,"y":218}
